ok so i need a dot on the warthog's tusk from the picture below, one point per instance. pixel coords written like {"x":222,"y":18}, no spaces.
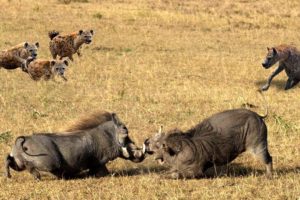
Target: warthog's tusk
{"x":125,"y":152}
{"x":160,"y":129}
{"x":144,"y":149}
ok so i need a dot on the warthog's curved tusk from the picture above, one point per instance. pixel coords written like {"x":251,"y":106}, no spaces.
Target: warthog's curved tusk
{"x":125,"y":152}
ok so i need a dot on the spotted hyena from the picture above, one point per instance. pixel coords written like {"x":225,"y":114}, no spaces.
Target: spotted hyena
{"x":16,"y":56}
{"x":67,"y":45}
{"x":288,"y":57}
{"x":46,"y":69}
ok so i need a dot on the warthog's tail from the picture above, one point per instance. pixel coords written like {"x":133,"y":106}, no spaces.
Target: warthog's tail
{"x":266,"y":105}
{"x":53,"y":34}
{"x":24,"y":149}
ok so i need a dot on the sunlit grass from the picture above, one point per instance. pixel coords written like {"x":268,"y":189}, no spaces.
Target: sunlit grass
{"x":170,"y":63}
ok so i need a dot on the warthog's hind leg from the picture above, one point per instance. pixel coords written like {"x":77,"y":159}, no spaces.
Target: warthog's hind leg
{"x":263,"y":154}
{"x":7,"y":166}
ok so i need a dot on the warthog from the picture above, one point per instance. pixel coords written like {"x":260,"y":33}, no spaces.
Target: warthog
{"x":217,"y":140}
{"x":86,"y":146}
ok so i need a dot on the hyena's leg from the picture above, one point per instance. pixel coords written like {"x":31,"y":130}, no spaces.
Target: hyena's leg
{"x":21,"y":60}
{"x":291,"y":82}
{"x":70,"y":57}
{"x":275,"y":73}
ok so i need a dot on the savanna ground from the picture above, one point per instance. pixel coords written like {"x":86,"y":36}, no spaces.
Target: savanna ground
{"x":166,"y":62}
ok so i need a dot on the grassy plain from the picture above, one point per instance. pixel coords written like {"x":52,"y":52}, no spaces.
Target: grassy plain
{"x":164,"y":62}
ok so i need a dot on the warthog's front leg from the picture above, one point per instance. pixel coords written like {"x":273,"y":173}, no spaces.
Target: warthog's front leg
{"x":32,"y":170}
{"x":98,"y":171}
{"x":275,"y":73}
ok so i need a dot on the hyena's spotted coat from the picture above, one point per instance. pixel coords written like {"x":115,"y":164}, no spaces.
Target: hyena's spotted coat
{"x":288,"y":57}
{"x":67,"y":45}
{"x":16,"y":56}
{"x":46,"y":69}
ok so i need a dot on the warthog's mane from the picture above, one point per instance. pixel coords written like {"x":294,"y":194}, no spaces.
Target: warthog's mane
{"x":89,"y":121}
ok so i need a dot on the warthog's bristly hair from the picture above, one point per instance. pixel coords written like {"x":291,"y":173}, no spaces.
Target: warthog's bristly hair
{"x":90,"y":121}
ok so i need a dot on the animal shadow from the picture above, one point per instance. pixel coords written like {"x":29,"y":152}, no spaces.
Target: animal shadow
{"x":239,"y":170}
{"x":139,"y":171}
{"x":279,"y":84}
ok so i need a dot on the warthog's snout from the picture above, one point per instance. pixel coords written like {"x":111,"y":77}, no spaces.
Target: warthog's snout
{"x":146,"y":147}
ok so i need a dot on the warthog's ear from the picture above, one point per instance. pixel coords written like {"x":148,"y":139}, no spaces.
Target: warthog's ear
{"x":80,"y":32}
{"x":26,"y":44}
{"x":92,"y":32}
{"x":268,"y":48}
{"x":115,"y":118}
{"x":37,"y":44}
{"x":66,"y":62}
{"x":52,"y":62}
{"x":274,"y":51}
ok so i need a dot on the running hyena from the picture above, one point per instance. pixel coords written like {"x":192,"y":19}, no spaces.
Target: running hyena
{"x":289,"y":60}
{"x":67,"y":45}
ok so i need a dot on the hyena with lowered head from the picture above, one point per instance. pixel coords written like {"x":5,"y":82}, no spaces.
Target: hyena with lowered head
{"x":47,"y":69}
{"x":288,"y":57}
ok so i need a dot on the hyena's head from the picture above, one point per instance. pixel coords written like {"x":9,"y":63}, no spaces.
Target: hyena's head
{"x":85,"y":36}
{"x":31,"y":49}
{"x":271,"y":58}
{"x":59,"y":67}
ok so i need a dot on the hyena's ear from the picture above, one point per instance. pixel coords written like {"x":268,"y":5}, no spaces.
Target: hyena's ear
{"x":92,"y":32}
{"x":268,"y":48}
{"x":37,"y":44}
{"x":52,"y":62}
{"x":274,"y":51}
{"x":66,"y":62}
{"x":26,"y":44}
{"x":80,"y":32}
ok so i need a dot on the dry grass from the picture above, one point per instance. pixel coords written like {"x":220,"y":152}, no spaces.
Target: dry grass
{"x":167,"y":62}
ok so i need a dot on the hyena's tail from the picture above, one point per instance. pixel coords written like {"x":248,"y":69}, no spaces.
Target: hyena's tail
{"x":53,"y":34}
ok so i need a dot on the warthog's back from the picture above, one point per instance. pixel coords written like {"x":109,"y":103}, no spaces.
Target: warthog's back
{"x":232,"y":118}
